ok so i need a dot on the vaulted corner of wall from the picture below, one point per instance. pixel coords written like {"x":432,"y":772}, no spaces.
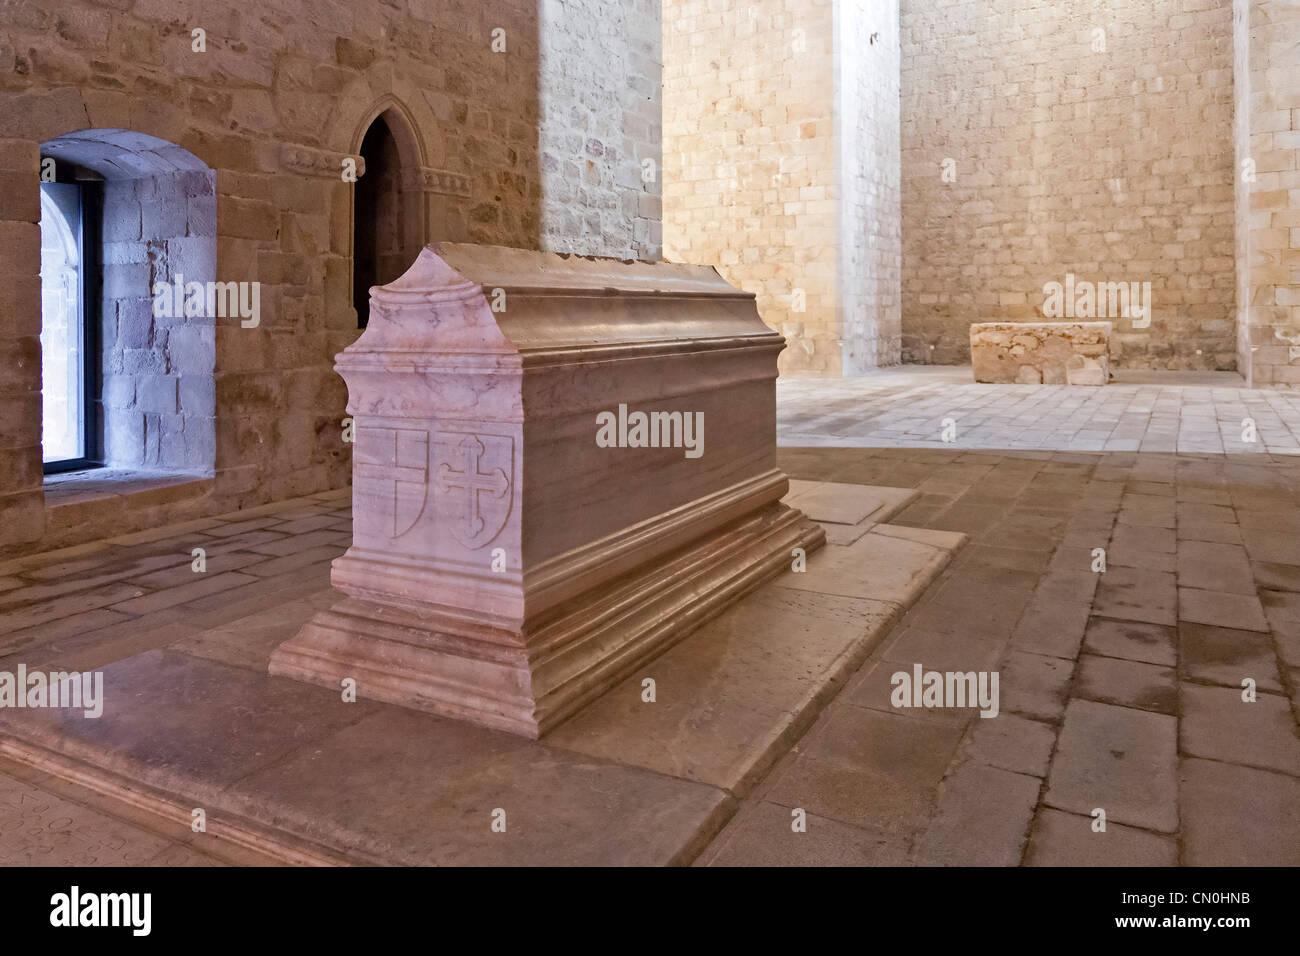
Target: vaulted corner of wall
{"x":869,"y":207}
{"x":1266,"y":136}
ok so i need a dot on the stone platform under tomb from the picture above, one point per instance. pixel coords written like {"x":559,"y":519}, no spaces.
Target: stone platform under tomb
{"x":292,"y":773}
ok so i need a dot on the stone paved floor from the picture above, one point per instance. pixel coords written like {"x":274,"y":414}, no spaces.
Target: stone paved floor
{"x":84,"y":607}
{"x":909,"y":406}
{"x":1120,"y":690}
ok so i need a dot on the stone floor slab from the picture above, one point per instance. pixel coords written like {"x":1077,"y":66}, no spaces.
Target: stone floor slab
{"x":1068,"y":839}
{"x":46,"y":830}
{"x":1130,"y":640}
{"x":982,"y":818}
{"x":762,"y":835}
{"x":1226,"y":656}
{"x":1280,"y":605}
{"x":943,"y":651}
{"x":1052,"y":627}
{"x":1013,"y":743}
{"x":842,"y":535}
{"x":1119,"y":759}
{"x":879,"y":566}
{"x":1237,"y":816}
{"x":179,"y":723}
{"x":1127,"y":683}
{"x":873,"y":689}
{"x":1130,"y":594}
{"x":416,"y":789}
{"x":1215,"y":567}
{"x":868,"y":768}
{"x":378,"y":784}
{"x":1221,"y":609}
{"x":1209,"y":531}
{"x":845,"y":503}
{"x":958,"y":606}
{"x":1034,"y":685}
{"x":733,"y":696}
{"x":1217,"y":724}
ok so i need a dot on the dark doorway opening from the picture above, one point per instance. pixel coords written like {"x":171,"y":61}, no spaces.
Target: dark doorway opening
{"x":378,"y":249}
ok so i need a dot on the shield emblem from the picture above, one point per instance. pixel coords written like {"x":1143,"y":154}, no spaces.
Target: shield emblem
{"x":473,"y":475}
{"x":390,"y":467}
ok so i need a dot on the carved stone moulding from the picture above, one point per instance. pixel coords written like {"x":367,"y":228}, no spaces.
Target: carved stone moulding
{"x":506,"y":566}
{"x":319,"y":162}
{"x":442,"y":181}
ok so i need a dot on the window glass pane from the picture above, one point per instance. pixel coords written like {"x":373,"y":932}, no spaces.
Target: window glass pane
{"x":62,"y":355}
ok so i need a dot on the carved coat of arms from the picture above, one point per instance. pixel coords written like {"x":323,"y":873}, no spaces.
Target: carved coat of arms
{"x":392,"y":466}
{"x":473,"y":478}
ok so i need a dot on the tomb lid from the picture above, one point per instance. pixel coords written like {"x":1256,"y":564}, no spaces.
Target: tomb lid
{"x":557,"y":272}
{"x":498,"y":298}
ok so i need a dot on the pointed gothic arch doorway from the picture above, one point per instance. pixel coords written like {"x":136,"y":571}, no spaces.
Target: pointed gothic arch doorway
{"x":387,"y":221}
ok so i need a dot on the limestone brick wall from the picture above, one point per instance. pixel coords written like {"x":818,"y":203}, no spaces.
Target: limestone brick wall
{"x":750,"y":160}
{"x":158,"y":388}
{"x":22,"y":502}
{"x":279,"y":97}
{"x":1268,"y":183}
{"x":601,"y":127}
{"x":1084,"y":138}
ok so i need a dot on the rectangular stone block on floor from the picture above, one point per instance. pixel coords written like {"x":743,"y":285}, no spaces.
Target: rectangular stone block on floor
{"x":1041,"y":353}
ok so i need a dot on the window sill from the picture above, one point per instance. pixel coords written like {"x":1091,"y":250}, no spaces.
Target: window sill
{"x":135,"y":489}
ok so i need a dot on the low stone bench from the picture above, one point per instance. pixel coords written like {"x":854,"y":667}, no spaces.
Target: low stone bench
{"x":1047,"y":353}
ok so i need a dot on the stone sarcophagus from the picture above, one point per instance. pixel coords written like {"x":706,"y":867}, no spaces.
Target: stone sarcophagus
{"x":562,"y":465}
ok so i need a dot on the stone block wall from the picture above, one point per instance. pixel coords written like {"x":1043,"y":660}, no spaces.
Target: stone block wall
{"x":158,"y":387}
{"x":750,"y":160}
{"x":1268,"y":190}
{"x":1083,"y":138}
{"x":601,"y":127}
{"x":22,"y":502}
{"x":781,"y":167}
{"x":280,"y":95}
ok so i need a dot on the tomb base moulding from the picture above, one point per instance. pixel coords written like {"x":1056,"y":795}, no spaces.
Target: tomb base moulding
{"x":562,"y":466}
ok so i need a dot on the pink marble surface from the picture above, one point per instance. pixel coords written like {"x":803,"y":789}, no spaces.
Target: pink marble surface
{"x":487,"y":510}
